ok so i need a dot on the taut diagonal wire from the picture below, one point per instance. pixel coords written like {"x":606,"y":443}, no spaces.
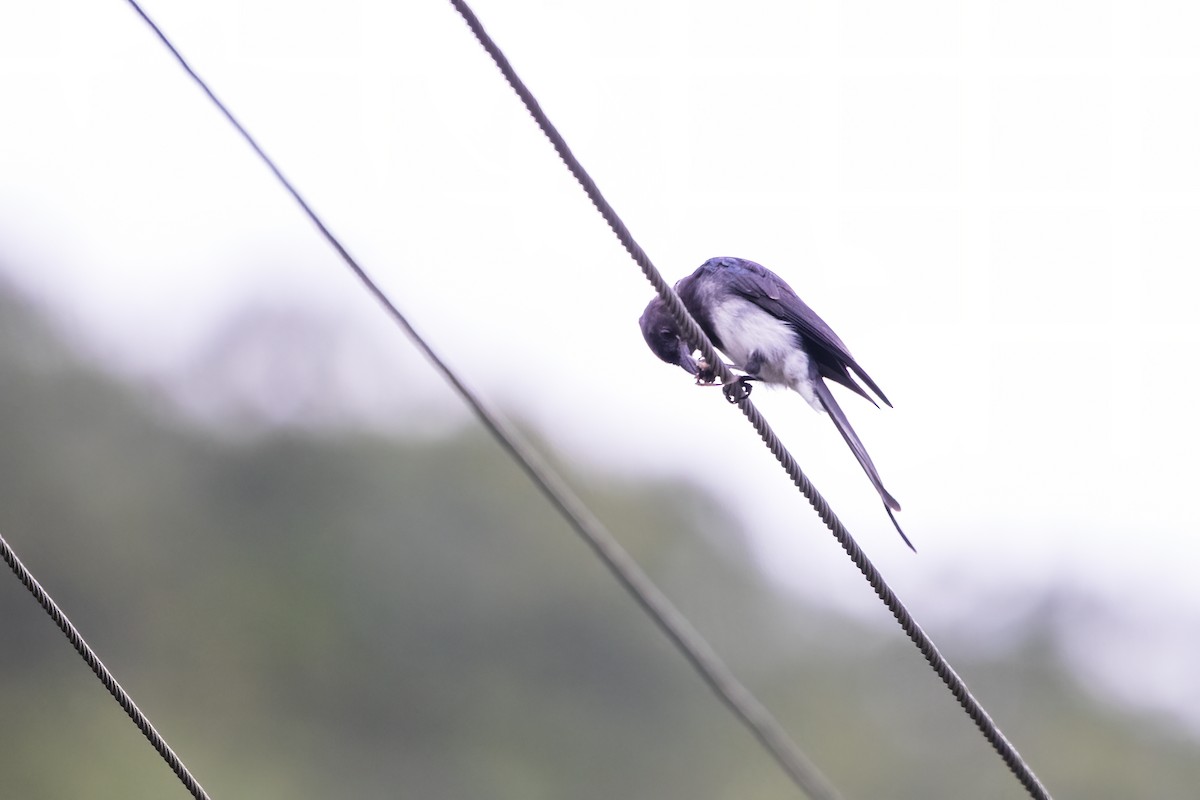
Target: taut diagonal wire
{"x":699,"y":654}
{"x":696,"y":336}
{"x":110,"y":682}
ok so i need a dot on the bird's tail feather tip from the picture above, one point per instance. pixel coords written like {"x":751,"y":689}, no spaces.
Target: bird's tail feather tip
{"x":899,"y":530}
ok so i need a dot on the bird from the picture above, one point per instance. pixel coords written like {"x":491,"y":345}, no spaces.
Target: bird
{"x":754,"y":317}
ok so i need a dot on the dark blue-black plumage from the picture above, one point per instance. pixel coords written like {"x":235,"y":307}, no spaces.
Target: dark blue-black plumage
{"x":755,"y":318}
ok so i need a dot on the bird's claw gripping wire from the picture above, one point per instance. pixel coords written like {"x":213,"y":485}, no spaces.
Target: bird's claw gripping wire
{"x":706,"y":375}
{"x":737,"y":389}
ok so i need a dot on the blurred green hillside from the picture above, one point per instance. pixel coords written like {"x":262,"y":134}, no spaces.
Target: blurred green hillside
{"x":310,"y":615}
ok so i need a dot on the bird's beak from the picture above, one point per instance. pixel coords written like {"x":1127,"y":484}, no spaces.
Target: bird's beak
{"x":685,"y":358}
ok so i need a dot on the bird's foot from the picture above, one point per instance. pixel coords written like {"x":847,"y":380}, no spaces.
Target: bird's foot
{"x":707,"y":374}
{"x":737,"y":389}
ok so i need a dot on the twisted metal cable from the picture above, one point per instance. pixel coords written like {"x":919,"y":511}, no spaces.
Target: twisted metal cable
{"x":97,"y":666}
{"x":691,"y":644}
{"x":958,"y":687}
{"x":696,"y":336}
{"x":687,"y":325}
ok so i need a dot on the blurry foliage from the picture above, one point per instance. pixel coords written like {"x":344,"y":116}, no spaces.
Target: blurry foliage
{"x":306,"y":615}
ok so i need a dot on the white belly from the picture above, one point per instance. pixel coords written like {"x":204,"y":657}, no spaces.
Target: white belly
{"x":744,"y":328}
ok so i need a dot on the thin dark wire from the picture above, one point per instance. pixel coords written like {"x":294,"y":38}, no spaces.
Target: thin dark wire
{"x":696,"y":336}
{"x":106,"y":677}
{"x":765,"y":728}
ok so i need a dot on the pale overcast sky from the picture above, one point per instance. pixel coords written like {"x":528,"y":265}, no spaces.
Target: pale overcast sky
{"x":993,"y":203}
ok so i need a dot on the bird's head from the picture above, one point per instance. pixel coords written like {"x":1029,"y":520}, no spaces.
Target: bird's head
{"x":662,"y":334}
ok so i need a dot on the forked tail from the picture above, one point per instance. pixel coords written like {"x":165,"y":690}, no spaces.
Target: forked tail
{"x":860,"y":452}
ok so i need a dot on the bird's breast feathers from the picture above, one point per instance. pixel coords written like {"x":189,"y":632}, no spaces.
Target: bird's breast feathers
{"x":745,"y":329}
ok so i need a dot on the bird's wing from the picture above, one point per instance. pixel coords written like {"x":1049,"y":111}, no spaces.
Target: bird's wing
{"x":768,"y":291}
{"x":856,"y":446}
